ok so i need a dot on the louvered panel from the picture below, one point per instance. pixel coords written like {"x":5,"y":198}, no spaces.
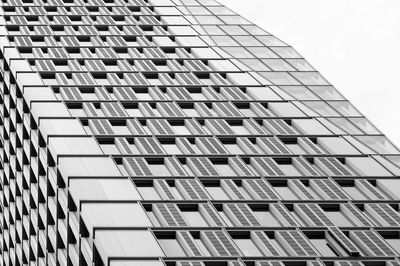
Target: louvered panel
{"x":316,"y":209}
{"x":383,"y":213}
{"x":333,"y":167}
{"x":210,"y":145}
{"x":269,"y":263}
{"x":136,"y":166}
{"x":175,"y":66}
{"x":260,"y":110}
{"x":218,"y":243}
{"x":101,"y":127}
{"x":273,"y":145}
{"x":372,"y":243}
{"x":145,"y":65}
{"x":154,"y":52}
{"x":62,"y":79}
{"x":266,"y":166}
{"x":179,"y":93}
{"x":113,"y":109}
{"x":226,"y":110}
{"x":95,"y":65}
{"x":175,"y":167}
{"x":149,"y":146}
{"x":83,"y":79}
{"x":219,"y":127}
{"x":124,"y":65}
{"x":234,"y":93}
{"x":188,"y":244}
{"x":295,"y":243}
{"x":195,"y":65}
{"x":304,"y":243}
{"x":283,"y":215}
{"x":37,"y":52}
{"x":74,"y":65}
{"x":202,"y":166}
{"x":305,"y":166}
{"x":219,"y":80}
{"x":355,"y":215}
{"x":310,"y":146}
{"x":71,"y":93}
{"x":123,"y":146}
{"x":210,"y":215}
{"x":169,"y":215}
{"x":369,"y":190}
{"x":259,"y":189}
{"x":135,"y":127}
{"x":240,"y":215}
{"x":134,"y":53}
{"x":125,"y":94}
{"x":232,"y":190}
{"x":163,"y":189}
{"x":147,"y":110}
{"x":315,"y":263}
{"x":239,"y":167}
{"x":182,"y":53}
{"x":247,"y":146}
{"x":203,"y":110}
{"x":133,"y":30}
{"x":116,"y":41}
{"x":135,"y":79}
{"x":211,"y":94}
{"x":301,"y":190}
{"x":278,"y":127}
{"x":114,"y":79}
{"x":312,"y":214}
{"x":185,"y":146}
{"x":188,"y":79}
{"x":344,"y":241}
{"x":160,"y":127}
{"x":168,"y":79}
{"x":157,"y":94}
{"x":189,"y":263}
{"x":149,"y":20}
{"x":235,"y":263}
{"x":23,"y":41}
{"x":348,"y":263}
{"x":265,"y":244}
{"x":328,"y":189}
{"x":57,"y":52}
{"x":89,"y":109}
{"x":194,"y":127}
{"x":170,"y":109}
{"x":191,"y":189}
{"x":254,"y":127}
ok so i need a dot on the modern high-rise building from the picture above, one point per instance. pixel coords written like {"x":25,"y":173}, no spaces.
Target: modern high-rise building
{"x":177,"y":133}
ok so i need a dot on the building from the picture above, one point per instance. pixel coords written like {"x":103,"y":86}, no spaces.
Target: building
{"x":175,"y":132}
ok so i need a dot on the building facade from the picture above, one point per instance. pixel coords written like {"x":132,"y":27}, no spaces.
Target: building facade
{"x":177,"y":133}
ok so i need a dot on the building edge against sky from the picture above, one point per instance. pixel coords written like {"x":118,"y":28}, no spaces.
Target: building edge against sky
{"x":178,"y":133}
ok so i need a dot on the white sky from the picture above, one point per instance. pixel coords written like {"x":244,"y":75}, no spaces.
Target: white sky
{"x":354,"y":44}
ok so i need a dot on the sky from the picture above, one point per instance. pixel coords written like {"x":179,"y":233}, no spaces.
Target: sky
{"x":354,"y":44}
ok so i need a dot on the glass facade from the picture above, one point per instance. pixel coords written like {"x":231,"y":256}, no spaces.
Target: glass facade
{"x":177,"y":133}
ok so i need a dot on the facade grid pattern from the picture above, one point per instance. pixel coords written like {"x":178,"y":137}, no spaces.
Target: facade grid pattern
{"x":177,"y":133}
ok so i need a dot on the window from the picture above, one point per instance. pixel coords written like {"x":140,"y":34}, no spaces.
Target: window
{"x":379,"y":143}
{"x":278,"y":64}
{"x":310,"y":78}
{"x":280,"y":78}
{"x":299,"y":92}
{"x":367,"y":166}
{"x":238,"y":52}
{"x":125,"y":243}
